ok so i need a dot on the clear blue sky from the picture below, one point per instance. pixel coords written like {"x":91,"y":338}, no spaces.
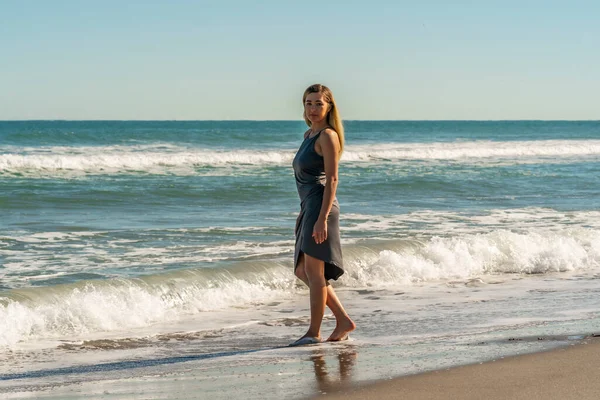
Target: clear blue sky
{"x":253,"y":59}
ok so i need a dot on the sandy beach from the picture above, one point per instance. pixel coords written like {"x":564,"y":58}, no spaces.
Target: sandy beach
{"x":388,"y":356}
{"x":565,"y":373}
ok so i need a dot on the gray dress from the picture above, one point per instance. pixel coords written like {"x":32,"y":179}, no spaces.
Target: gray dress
{"x":309,"y":170}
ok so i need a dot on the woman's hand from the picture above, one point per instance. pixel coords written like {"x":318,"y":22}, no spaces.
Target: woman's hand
{"x":320,"y":231}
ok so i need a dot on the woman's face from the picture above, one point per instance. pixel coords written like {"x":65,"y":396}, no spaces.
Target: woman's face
{"x":316,"y":107}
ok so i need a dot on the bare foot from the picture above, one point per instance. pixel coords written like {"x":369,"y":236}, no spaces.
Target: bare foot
{"x":310,"y":334}
{"x":342,"y":329}
{"x":304,"y":340}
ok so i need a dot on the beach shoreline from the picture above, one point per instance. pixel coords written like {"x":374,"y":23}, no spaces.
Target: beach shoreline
{"x":252,"y":361}
{"x":566,"y":372}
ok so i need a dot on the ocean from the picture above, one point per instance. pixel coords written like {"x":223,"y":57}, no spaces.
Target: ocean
{"x":141,"y":248}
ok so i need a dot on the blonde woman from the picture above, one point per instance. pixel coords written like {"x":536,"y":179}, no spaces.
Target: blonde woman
{"x":318,"y":253}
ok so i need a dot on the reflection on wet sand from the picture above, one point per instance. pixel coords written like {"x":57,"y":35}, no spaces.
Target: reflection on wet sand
{"x":331,"y":382}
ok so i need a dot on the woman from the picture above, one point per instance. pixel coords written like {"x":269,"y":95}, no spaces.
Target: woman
{"x":318,"y":254}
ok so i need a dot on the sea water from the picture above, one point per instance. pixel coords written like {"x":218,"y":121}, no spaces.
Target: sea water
{"x":142,"y":241}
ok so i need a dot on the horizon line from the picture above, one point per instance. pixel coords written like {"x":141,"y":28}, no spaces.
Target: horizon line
{"x":294,"y":120}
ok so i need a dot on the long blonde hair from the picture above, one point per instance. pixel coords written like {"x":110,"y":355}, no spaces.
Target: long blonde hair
{"x":333,"y":116}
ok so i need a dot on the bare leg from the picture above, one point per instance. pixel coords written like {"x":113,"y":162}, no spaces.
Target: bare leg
{"x":344,"y":324}
{"x":314,"y":269}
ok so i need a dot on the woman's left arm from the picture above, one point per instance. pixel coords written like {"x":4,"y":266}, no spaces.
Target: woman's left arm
{"x":330,"y":147}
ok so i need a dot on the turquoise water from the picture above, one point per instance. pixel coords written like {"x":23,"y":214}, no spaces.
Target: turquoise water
{"x":185,"y":208}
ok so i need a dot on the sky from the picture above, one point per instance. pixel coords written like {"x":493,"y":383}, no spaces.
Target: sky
{"x":252,"y":60}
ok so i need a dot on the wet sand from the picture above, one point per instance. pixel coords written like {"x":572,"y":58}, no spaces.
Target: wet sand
{"x":565,"y":373}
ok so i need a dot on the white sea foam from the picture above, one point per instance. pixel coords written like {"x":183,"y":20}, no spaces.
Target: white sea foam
{"x":112,"y":305}
{"x":477,"y":150}
{"x":49,"y":255}
{"x":104,"y":306}
{"x":115,"y":160}
{"x":445,"y":223}
{"x":538,"y":251}
{"x":170,"y":159}
{"x":33,"y":259}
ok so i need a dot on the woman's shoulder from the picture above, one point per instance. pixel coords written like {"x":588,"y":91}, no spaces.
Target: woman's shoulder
{"x":329,"y":133}
{"x":328,"y":138}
